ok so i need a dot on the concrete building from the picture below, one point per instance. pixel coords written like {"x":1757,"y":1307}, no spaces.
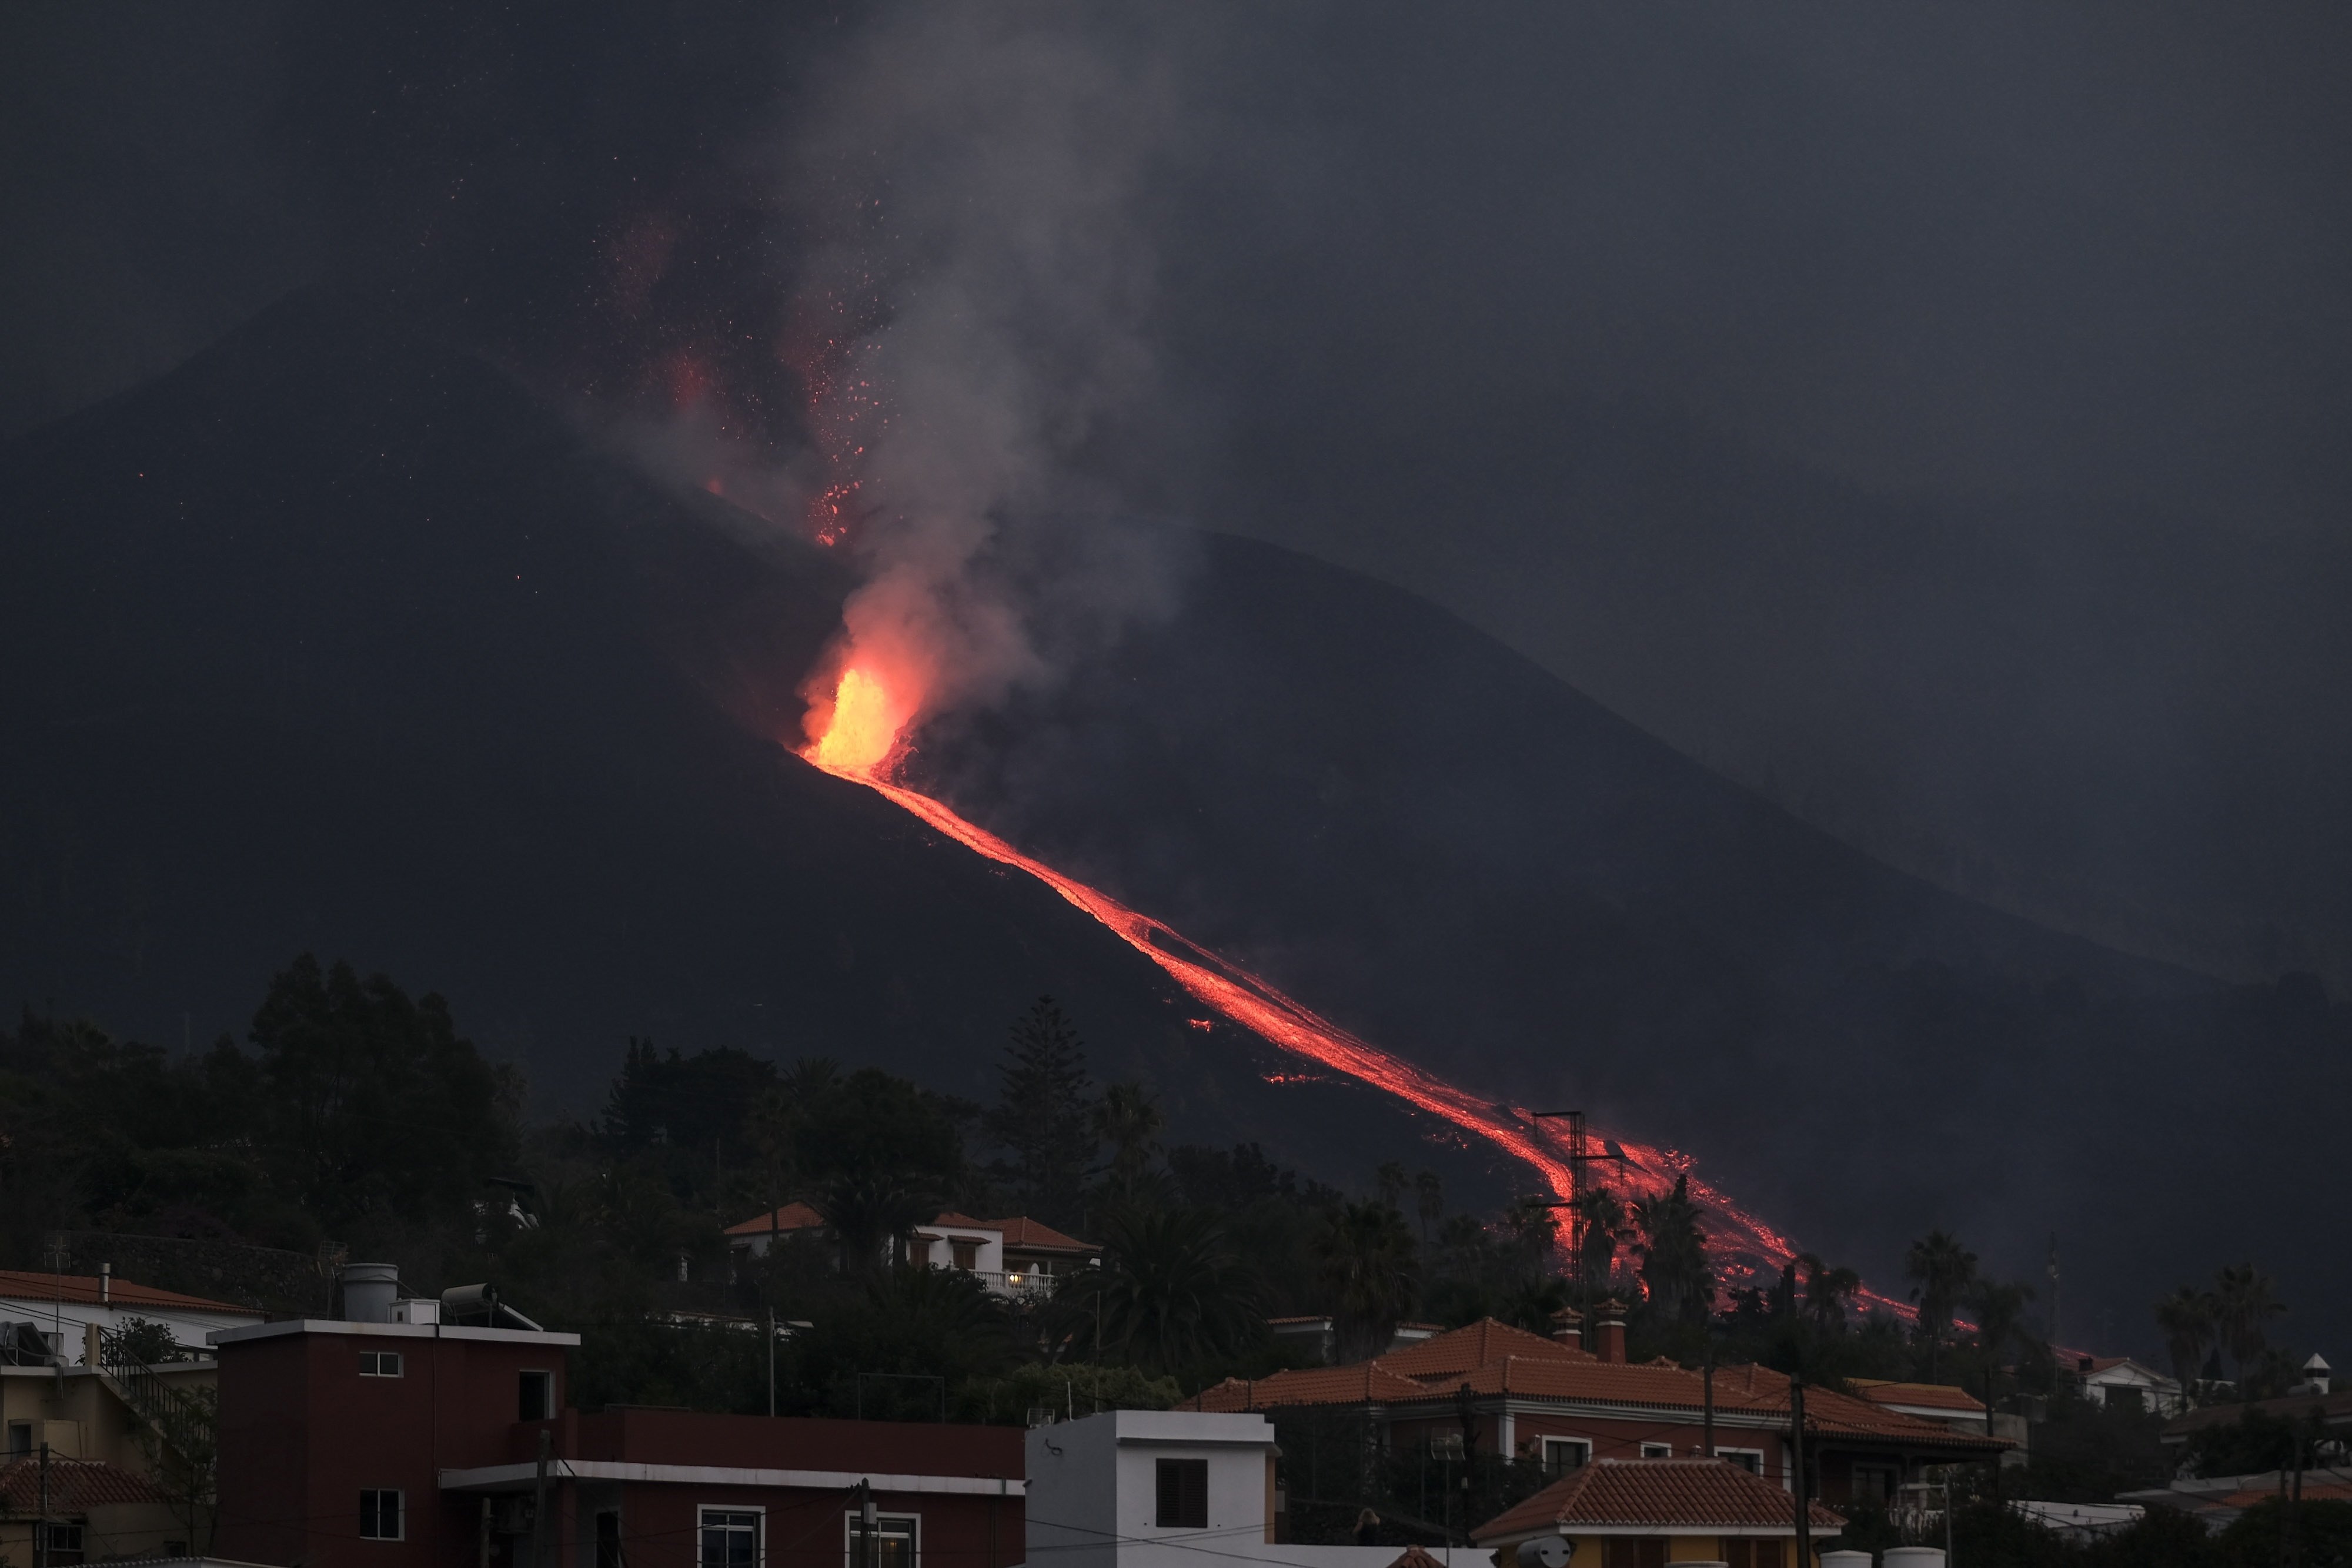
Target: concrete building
{"x":1645,"y":1513}
{"x":2120,"y":1381}
{"x":399,"y":1439}
{"x":1171,"y":1489}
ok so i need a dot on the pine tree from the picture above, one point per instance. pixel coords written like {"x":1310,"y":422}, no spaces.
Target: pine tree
{"x":1043,"y":1116}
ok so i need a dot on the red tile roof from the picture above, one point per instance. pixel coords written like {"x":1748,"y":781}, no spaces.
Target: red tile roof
{"x":1654,"y":1495}
{"x":1366,"y":1383}
{"x":1935,"y":1396}
{"x":964,"y":1221}
{"x":1026,"y":1234}
{"x":1479,"y":1344}
{"x":1414,"y":1557}
{"x":82,"y":1289}
{"x":74,"y":1485}
{"x":2313,"y":1491}
{"x":792,"y":1216}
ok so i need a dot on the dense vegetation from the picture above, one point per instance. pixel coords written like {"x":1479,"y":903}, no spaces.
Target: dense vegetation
{"x":355,"y":1122}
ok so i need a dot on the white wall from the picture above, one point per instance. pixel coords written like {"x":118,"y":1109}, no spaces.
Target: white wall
{"x":1093,"y":1497}
{"x":188,"y":1328}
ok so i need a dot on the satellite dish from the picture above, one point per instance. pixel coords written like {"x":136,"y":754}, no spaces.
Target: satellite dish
{"x":1545,"y":1552}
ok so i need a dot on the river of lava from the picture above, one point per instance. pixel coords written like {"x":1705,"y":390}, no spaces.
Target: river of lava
{"x":1744,"y":1245}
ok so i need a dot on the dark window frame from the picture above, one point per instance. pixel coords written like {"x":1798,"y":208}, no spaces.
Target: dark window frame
{"x":371,"y":1514}
{"x":1183,"y":1487}
{"x":733,"y":1517}
{"x":383,"y":1363}
{"x":526,"y":1379}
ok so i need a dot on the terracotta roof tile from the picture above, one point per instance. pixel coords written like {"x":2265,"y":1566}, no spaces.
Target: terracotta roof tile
{"x":1479,"y":1344}
{"x":1935,"y":1396}
{"x":74,"y":1485}
{"x":1366,"y":1383}
{"x":1028,"y":1235}
{"x":1414,"y":1557}
{"x":792,"y":1216}
{"x":1657,"y":1495}
{"x":20,"y":1285}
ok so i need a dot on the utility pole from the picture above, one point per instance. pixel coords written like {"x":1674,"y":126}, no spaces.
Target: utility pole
{"x":41,"y":1522}
{"x":538,"y":1520}
{"x":866,"y":1523}
{"x":1581,"y":1155}
{"x":772,"y":1361}
{"x":1707,"y":1430}
{"x":1797,"y":1473}
{"x":2057,"y":1334}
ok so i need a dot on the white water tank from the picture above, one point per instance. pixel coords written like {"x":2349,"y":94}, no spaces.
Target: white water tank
{"x":1845,"y":1560}
{"x":1915,"y":1557}
{"x":369,"y":1291}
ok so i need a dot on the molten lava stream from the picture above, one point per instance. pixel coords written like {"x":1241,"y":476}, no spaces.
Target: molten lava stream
{"x":859,"y":741}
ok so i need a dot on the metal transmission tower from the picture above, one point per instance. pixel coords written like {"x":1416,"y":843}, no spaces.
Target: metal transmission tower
{"x":1579,"y":1155}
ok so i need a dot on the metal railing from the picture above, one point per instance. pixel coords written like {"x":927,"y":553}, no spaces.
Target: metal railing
{"x":185,"y":1418}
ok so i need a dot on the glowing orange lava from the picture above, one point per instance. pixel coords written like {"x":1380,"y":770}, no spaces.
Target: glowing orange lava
{"x":859,"y":739}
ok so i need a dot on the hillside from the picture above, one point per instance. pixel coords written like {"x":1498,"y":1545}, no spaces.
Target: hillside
{"x":332,"y":639}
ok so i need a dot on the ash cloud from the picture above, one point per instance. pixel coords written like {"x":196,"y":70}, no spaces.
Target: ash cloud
{"x":974,"y":319}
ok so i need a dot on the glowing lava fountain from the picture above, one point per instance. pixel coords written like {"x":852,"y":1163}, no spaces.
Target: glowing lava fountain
{"x":857,"y":738}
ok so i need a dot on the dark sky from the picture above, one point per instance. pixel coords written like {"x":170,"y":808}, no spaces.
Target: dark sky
{"x":1934,"y":417}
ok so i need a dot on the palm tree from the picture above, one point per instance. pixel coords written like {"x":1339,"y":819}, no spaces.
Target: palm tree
{"x":1829,"y":1293}
{"x":1604,"y":1218}
{"x":1941,"y":1270}
{"x":1170,"y":1292}
{"x":1128,"y":1119}
{"x":2188,"y":1318}
{"x":1674,"y":1268}
{"x":2000,"y":1307}
{"x":1372,"y":1271}
{"x":2244,"y":1300}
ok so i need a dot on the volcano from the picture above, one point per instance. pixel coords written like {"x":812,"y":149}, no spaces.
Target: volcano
{"x":335,"y":639}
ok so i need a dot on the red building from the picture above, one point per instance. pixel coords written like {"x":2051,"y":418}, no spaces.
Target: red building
{"x":413,"y":1442}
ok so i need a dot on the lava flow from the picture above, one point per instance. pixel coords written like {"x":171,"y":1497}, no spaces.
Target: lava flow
{"x":858,"y":738}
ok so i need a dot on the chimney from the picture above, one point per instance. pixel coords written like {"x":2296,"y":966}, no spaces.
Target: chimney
{"x":1568,"y":1328}
{"x":1609,"y":1331}
{"x":106,"y":1284}
{"x":369,"y":1291}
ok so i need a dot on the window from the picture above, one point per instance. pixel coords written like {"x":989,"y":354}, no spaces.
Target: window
{"x":1748,"y":1460}
{"x":537,"y":1402}
{"x":64,"y":1540}
{"x":1633,"y":1552}
{"x":1561,"y":1454}
{"x":20,"y":1436}
{"x":1183,"y":1494}
{"x":896,"y":1537}
{"x":1657,"y":1450}
{"x":1738,"y":1552}
{"x":1873,"y":1484}
{"x":380,"y":1515}
{"x":380,"y":1363}
{"x":965,"y":1254}
{"x":608,"y":1540}
{"x":730,"y":1538}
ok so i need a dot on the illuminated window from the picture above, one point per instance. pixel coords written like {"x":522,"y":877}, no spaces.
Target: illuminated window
{"x":892,"y":1545}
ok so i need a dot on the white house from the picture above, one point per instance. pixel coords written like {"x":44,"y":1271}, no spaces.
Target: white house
{"x":1166,"y":1489}
{"x":2124,"y":1381}
{"x":61,"y":1305}
{"x":1015,"y":1257}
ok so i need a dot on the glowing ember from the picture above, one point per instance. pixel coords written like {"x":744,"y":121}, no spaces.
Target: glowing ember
{"x":862,"y":729}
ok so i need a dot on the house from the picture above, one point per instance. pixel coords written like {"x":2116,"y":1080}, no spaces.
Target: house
{"x":1645,"y":1513}
{"x":1547,"y":1400}
{"x":397,"y":1436}
{"x":119,"y":1449}
{"x":2333,"y":1410}
{"x":1171,"y":1489}
{"x":1016,"y":1257}
{"x":60,"y":1306}
{"x":2120,"y":1381}
{"x":1938,"y":1402}
{"x":2216,"y":1502}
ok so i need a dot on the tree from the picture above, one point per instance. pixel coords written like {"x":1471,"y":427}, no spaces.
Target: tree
{"x":378,"y":1115}
{"x":2185,"y":1318}
{"x":1128,"y":1119}
{"x":2000,"y":1307}
{"x":1941,"y":1270}
{"x":1372,"y":1271}
{"x":1830,"y":1293}
{"x":1674,"y":1268}
{"x":1430,"y":1192}
{"x":2244,"y":1300}
{"x":884,"y":1156}
{"x":1170,"y":1292}
{"x":1603,"y":1220}
{"x":1043,"y":1116}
